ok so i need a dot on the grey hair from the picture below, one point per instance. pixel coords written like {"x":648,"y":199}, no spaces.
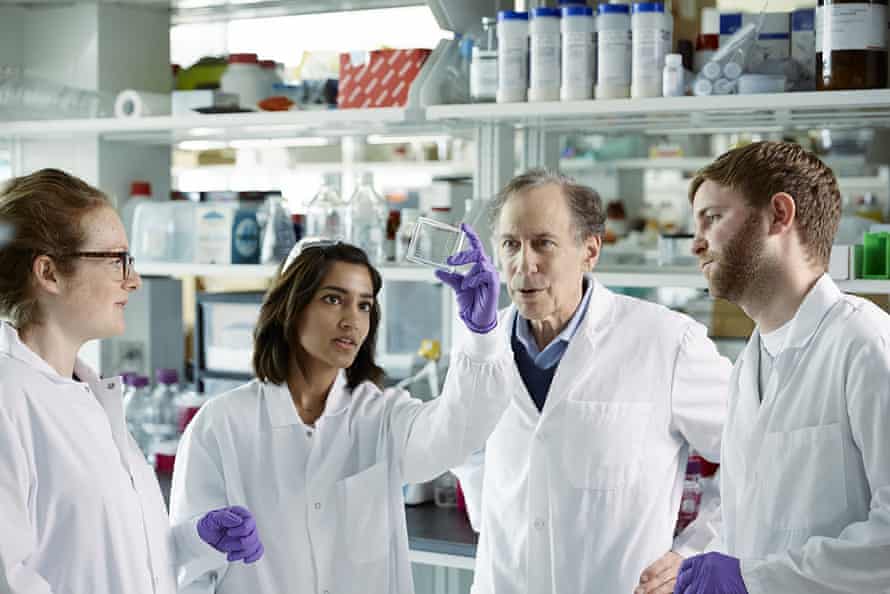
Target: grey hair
{"x":585,"y":204}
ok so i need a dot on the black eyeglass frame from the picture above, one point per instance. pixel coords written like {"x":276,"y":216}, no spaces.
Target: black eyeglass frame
{"x":127,"y":262}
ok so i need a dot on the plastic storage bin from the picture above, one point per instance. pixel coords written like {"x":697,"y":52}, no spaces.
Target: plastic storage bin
{"x":163,"y":232}
{"x":227,"y":336}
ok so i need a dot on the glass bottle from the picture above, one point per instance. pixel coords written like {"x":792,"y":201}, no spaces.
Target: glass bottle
{"x":851,"y":44}
{"x":328,"y":214}
{"x":368,"y":215}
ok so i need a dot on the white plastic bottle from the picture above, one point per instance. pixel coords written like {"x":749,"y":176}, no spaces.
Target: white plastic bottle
{"x":484,"y":64}
{"x":245,"y":78}
{"x":651,"y":42}
{"x":140,"y":191}
{"x":368,"y":212}
{"x":613,"y":51}
{"x":545,"y":50}
{"x":673,"y":77}
{"x":269,"y":69}
{"x":578,"y":28}
{"x":512,"y":56}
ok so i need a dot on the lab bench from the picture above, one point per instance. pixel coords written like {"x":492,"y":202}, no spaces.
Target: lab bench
{"x":437,"y":536}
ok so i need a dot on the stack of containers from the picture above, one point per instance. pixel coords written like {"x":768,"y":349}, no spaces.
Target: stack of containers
{"x":513,"y":33}
{"x":651,"y":40}
{"x":614,"y":47}
{"x":544,"y":71}
{"x":578,"y":29}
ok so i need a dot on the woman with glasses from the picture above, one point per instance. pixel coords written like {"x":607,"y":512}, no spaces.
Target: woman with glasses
{"x":80,"y":509}
{"x":317,"y":449}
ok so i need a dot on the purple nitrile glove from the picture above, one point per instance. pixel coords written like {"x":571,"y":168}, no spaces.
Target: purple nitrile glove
{"x":711,"y":573}
{"x":477,"y":292}
{"x":232,"y":530}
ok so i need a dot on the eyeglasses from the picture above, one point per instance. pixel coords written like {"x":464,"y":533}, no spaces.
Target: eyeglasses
{"x":124,"y":258}
{"x":305,"y":244}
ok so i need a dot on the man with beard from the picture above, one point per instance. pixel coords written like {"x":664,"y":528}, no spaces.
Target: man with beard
{"x":578,"y":489}
{"x":805,"y":476}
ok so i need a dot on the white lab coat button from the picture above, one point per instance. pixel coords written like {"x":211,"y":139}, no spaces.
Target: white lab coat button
{"x":539,"y":524}
{"x":308,"y":433}
{"x":317,"y":505}
{"x":110,"y":385}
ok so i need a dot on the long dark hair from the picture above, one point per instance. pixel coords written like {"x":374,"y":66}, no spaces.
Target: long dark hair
{"x":293,"y":289}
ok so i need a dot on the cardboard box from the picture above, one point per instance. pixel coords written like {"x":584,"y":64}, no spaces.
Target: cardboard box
{"x":381,"y":78}
{"x":803,"y":46}
{"x":774,"y":41}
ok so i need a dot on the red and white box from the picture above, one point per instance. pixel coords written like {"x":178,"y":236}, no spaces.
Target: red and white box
{"x":382,"y":79}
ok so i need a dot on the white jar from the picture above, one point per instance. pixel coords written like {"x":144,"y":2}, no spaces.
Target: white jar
{"x":544,"y":73}
{"x":651,"y":42}
{"x":578,"y":53}
{"x":245,"y":78}
{"x":613,"y":51}
{"x":673,"y":83}
{"x":270,"y":72}
{"x":512,"y":56}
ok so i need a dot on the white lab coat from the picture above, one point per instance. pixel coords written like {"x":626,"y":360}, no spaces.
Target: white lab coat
{"x":806,"y":474}
{"x":80,"y":509}
{"x":584,"y":495}
{"x":328,"y":502}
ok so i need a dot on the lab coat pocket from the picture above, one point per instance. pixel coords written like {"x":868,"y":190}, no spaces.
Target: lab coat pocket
{"x":603,"y":442}
{"x":366,"y":525}
{"x":802,"y":477}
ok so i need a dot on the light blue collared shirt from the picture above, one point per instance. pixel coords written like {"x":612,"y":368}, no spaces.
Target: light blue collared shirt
{"x":553,"y":352}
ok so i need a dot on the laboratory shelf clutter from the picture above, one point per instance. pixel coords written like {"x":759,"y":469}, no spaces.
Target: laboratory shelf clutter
{"x":700,"y":115}
{"x":688,"y":277}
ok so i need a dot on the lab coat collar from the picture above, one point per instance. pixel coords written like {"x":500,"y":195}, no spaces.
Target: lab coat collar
{"x":282,"y":411}
{"x":11,"y":344}
{"x":821,"y":298}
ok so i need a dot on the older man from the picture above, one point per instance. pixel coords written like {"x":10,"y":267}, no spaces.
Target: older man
{"x":580,"y":483}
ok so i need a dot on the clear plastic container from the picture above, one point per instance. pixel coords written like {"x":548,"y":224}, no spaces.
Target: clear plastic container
{"x":433,"y":242}
{"x":278,"y":231}
{"x":328,"y":214}
{"x":578,"y":53}
{"x":406,"y":230}
{"x":140,"y":191}
{"x":512,"y":56}
{"x":163,"y":231}
{"x":544,"y":51}
{"x":165,"y":396}
{"x":26,"y":96}
{"x":140,"y":411}
{"x":368,"y":213}
{"x":614,"y":51}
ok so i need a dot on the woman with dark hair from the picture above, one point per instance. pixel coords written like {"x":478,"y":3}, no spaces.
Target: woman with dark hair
{"x":316,"y":448}
{"x":80,"y":509}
